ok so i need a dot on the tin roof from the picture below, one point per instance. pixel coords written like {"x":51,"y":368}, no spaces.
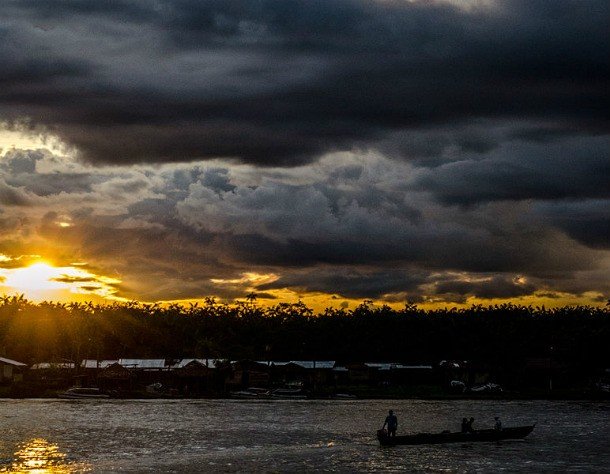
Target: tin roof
{"x":97,"y":364}
{"x":396,"y":366}
{"x":52,"y":365}
{"x":211,"y":363}
{"x":145,"y":364}
{"x":310,"y":364}
{"x":3,"y":360}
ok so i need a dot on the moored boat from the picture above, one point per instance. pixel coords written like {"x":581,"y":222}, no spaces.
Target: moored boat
{"x":344,"y":396}
{"x":289,"y":394}
{"x":517,"y":432}
{"x":251,"y":393}
{"x":83,"y":393}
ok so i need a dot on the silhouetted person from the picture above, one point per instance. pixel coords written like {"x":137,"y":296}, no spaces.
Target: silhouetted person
{"x":498,"y":425}
{"x":469,"y":427}
{"x":464,"y":425}
{"x":392,"y":422}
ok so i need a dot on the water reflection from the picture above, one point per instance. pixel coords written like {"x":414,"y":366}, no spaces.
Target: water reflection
{"x":39,"y":456}
{"x":252,"y":436}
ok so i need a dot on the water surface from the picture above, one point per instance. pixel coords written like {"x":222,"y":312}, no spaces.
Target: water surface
{"x":292,"y":436}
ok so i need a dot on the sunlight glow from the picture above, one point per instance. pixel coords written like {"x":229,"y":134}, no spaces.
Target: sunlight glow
{"x":35,"y":277}
{"x":40,"y":280}
{"x":252,"y":278}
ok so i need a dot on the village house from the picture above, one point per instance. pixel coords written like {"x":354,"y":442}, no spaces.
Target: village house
{"x":402,"y":374}
{"x":248,"y":373}
{"x":114,"y":376}
{"x":195,"y":377}
{"x":303,"y":373}
{"x":53,"y":374}
{"x":11,"y":370}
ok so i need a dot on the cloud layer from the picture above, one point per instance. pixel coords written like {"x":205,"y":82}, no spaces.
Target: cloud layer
{"x":396,"y":150}
{"x":281,"y":82}
{"x":354,"y":226}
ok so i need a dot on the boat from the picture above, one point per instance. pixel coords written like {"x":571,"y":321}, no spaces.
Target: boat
{"x":344,"y":396}
{"x":289,"y":394}
{"x":517,"y":432}
{"x":83,"y":393}
{"x":251,"y":393}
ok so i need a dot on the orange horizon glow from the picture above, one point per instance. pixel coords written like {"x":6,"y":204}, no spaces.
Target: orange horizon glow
{"x":43,"y":281}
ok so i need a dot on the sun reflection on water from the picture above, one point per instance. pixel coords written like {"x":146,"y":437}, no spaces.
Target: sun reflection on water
{"x":39,"y":456}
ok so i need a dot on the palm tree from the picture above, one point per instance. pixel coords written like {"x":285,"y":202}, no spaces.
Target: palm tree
{"x":251,"y":298}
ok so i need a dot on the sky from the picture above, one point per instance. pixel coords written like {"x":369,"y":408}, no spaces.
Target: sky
{"x":442,"y":153}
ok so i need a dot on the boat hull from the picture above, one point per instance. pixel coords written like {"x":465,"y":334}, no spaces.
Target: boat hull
{"x":77,"y":393}
{"x":518,"y":432}
{"x":82,"y":397}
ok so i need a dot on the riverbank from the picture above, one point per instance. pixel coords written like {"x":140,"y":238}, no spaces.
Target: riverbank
{"x":358,"y":393}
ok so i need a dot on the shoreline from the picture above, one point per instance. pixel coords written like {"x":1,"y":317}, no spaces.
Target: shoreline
{"x":558,"y":397}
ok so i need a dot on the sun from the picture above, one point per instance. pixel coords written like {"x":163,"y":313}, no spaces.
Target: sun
{"x":44,"y":281}
{"x":36,"y":277}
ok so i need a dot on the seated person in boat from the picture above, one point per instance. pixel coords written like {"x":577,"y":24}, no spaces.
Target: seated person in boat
{"x":498,"y":424}
{"x":469,"y":427}
{"x":464,"y":425}
{"x":392,"y":422}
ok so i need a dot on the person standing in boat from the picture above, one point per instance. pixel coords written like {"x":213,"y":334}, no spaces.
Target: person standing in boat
{"x":464,"y":425}
{"x":498,"y":425}
{"x":392,"y":423}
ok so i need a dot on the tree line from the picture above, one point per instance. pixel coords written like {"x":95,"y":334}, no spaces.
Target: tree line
{"x":500,"y":334}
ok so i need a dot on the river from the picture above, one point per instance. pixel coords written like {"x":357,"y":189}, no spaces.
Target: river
{"x":66,"y":436}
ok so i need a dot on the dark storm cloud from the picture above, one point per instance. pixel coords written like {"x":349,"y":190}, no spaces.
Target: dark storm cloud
{"x":585,"y":221}
{"x":356,"y":222}
{"x":401,"y":285}
{"x":217,"y":179}
{"x":567,"y":168}
{"x":60,"y":9}
{"x":499,"y":286}
{"x":477,"y":138}
{"x":281,"y":82}
{"x":351,"y":283}
{"x":344,"y":226}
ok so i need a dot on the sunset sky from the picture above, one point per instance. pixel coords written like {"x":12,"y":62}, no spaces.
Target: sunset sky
{"x":439,"y":152}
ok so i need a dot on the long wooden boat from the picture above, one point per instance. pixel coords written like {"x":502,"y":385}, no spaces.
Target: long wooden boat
{"x":83,"y":393}
{"x":289,"y":394}
{"x":517,"y":432}
{"x":251,"y":393}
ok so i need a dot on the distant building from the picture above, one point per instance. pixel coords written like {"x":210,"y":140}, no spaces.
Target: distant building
{"x":197,"y":376}
{"x":403,"y":374}
{"x":11,"y":370}
{"x":92,"y":364}
{"x":115,"y":377}
{"x":53,"y":366}
{"x":248,"y":373}
{"x":146,"y":364}
{"x":53,"y":374}
{"x":302,"y":372}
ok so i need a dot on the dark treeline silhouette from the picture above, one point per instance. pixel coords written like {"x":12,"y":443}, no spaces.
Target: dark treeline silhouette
{"x":499,"y":335}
